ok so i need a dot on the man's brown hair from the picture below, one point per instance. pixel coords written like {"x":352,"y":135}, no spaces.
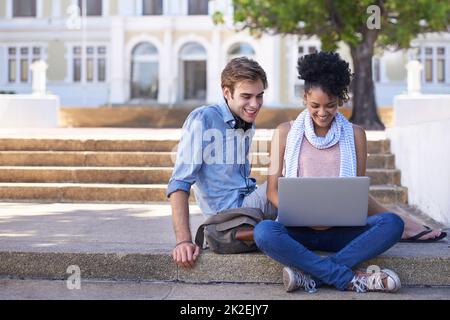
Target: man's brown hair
{"x":242,"y":69}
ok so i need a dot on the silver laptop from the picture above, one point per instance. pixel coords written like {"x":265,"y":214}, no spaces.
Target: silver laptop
{"x":327,"y":202}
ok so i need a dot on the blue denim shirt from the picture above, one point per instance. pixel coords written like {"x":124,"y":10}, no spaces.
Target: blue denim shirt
{"x":219,"y":182}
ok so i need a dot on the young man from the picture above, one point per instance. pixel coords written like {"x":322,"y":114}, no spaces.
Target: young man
{"x":213,"y":156}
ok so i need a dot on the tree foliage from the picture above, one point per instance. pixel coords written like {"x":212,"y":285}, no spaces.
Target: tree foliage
{"x":397,"y":22}
{"x":344,"y":20}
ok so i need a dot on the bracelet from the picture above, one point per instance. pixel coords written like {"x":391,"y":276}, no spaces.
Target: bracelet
{"x":185,"y":241}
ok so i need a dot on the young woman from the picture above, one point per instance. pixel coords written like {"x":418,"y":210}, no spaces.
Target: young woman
{"x":321,"y":142}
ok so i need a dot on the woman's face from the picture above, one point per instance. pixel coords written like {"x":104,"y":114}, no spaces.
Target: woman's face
{"x":321,"y":107}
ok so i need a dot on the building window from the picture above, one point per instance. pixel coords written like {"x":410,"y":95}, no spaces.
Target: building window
{"x":193,"y":70}
{"x":24,"y":53}
{"x":90,"y":64}
{"x":24,"y":8}
{"x":428,"y":64}
{"x":94,"y":65}
{"x":240,"y":50}
{"x":312,"y":49}
{"x":77,"y":64}
{"x":93,"y":7}
{"x":145,"y":72}
{"x":152,"y":7}
{"x":101,"y":64}
{"x":441,"y":64}
{"x":12,"y":64}
{"x":434,"y":60}
{"x":376,"y":69}
{"x":19,"y":61}
{"x":198,"y":7}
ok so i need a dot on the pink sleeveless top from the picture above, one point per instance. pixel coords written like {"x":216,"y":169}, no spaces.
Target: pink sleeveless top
{"x":314,"y":162}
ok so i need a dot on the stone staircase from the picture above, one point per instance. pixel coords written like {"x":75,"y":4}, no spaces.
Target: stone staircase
{"x":96,"y":199}
{"x":134,"y":171}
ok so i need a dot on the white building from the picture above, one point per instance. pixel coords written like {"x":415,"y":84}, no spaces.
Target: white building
{"x":169,"y":52}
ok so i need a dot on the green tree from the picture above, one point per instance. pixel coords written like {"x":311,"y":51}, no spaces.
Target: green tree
{"x":363,"y":25}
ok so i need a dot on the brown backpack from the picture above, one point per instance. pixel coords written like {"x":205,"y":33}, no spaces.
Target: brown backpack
{"x":219,"y":230}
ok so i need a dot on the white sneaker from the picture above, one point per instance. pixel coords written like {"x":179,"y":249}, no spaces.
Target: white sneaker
{"x":294,"y":279}
{"x":384,"y":281}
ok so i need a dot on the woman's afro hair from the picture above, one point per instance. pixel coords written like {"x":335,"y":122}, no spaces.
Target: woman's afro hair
{"x":327,"y":71}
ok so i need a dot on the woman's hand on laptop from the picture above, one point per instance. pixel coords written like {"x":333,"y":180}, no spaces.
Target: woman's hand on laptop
{"x":185,"y":254}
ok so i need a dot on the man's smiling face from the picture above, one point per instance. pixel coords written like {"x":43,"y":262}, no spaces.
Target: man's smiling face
{"x":246,"y":100}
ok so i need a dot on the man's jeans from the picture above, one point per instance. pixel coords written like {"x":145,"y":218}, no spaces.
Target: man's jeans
{"x":292,"y":246}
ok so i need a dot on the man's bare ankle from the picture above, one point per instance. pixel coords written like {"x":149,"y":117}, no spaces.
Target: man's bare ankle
{"x":244,"y":235}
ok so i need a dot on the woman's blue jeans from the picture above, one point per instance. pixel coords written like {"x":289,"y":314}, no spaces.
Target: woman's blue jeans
{"x":292,"y":246}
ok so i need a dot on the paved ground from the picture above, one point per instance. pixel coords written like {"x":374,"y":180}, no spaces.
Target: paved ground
{"x":103,"y":290}
{"x":59,"y":227}
{"x":83,"y":227}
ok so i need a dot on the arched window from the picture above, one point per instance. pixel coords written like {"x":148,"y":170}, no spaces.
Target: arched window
{"x":240,"y":49}
{"x":144,"y":72}
{"x":193,"y":71}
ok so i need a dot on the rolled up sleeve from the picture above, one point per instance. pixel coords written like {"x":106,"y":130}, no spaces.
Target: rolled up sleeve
{"x":189,"y":155}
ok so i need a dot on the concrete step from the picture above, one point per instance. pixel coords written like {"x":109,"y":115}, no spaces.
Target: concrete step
{"x":87,"y":145}
{"x":134,"y":242}
{"x":87,"y":158}
{"x":130,"y":175}
{"x":413,"y":268}
{"x":17,"y":289}
{"x":108,"y":159}
{"x":259,"y":145}
{"x":174,"y":116}
{"x":386,"y":194}
{"x":384,"y":176}
{"x":380,"y":161}
{"x":136,"y":159}
{"x":132,"y":193}
{"x":78,"y":192}
{"x":138,"y":175}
